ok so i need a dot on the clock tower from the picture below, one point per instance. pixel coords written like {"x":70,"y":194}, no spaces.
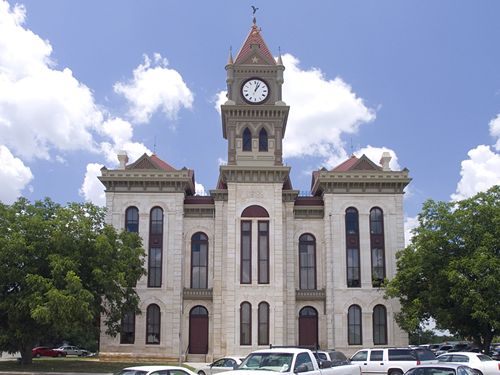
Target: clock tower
{"x":254,"y":116}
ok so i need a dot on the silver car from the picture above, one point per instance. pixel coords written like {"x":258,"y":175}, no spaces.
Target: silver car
{"x":220,"y":365}
{"x":74,"y":350}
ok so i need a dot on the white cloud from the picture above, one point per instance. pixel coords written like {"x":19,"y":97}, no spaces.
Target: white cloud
{"x":480,"y":172}
{"x":200,"y":189}
{"x":322,"y":111}
{"x":155,"y":87}
{"x":14,"y":174}
{"x":409,"y":224}
{"x":92,"y":190}
{"x":495,"y":130}
{"x":41,"y":108}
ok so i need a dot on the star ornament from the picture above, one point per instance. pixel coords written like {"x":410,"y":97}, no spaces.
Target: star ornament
{"x":255,"y":59}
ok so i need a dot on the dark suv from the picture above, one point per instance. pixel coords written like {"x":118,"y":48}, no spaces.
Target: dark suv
{"x":391,"y":361}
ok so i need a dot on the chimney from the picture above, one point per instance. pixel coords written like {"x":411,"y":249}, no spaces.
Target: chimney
{"x":384,"y":161}
{"x":122,"y":158}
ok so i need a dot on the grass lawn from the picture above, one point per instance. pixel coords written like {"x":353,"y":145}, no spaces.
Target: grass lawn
{"x":73,"y":365}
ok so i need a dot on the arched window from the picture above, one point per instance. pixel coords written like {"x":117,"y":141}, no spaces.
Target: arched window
{"x":380,"y":325}
{"x":354,"y":327}
{"x":245,"y":323}
{"x":352,"y":247}
{"x":132,"y":219}
{"x":377,"y":246}
{"x":155,"y":247}
{"x":263,"y":323}
{"x":153,"y":324}
{"x":263,"y":140}
{"x":199,"y":261}
{"x":127,"y":332}
{"x":307,"y":262}
{"x":253,"y":212}
{"x":247,"y":140}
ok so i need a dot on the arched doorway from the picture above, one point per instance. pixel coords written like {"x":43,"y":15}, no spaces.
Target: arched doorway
{"x":308,"y":326}
{"x":198,"y":330}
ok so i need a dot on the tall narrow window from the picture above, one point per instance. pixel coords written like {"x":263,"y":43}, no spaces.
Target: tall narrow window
{"x":352,"y":243}
{"x":307,"y":262}
{"x":354,"y":325}
{"x":199,"y":261}
{"x":263,"y":323}
{"x":247,"y":140}
{"x":127,"y":332}
{"x":263,"y":252}
{"x":246,"y":253}
{"x":132,"y":220}
{"x":377,"y":246}
{"x":155,"y":247}
{"x":153,"y":324}
{"x":245,"y":324}
{"x":380,"y":325}
{"x":263,"y":140}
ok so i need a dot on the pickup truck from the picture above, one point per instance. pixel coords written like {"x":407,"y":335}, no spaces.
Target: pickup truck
{"x":289,"y":361}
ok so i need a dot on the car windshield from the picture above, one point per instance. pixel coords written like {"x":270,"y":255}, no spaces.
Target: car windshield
{"x":279,"y":362}
{"x":132,"y":372}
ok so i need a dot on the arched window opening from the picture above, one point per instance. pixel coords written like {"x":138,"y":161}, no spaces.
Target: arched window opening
{"x":263,"y":140}
{"x":153,"y":324}
{"x":198,"y":311}
{"x":308,"y":311}
{"x":354,"y":325}
{"x":377,"y":245}
{"x":255,"y":211}
{"x":247,"y":140}
{"x":199,"y":261}
{"x":155,"y":248}
{"x":245,"y":323}
{"x":127,"y":332}
{"x":380,"y":325}
{"x":263,"y":323}
{"x":132,"y":219}
{"x":307,"y":262}
{"x":352,"y":247}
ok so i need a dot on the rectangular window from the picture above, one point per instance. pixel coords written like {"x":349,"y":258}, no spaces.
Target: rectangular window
{"x":154,"y":267}
{"x":199,"y":265}
{"x":246,"y":253}
{"x":127,"y":334}
{"x":378,"y":266}
{"x":263,"y":252}
{"x":353,"y":271}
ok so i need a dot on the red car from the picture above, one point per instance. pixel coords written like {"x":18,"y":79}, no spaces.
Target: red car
{"x":40,"y":351}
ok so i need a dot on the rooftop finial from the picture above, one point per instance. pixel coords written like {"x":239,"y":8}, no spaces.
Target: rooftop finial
{"x":254,"y":10}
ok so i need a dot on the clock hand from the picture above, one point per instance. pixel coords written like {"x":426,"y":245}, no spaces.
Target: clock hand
{"x":256,"y":87}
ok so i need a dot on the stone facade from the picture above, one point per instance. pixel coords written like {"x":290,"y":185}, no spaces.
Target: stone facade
{"x":262,"y":269}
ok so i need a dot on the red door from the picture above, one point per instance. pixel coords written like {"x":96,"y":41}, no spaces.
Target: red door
{"x":308,"y":327}
{"x":198,"y":330}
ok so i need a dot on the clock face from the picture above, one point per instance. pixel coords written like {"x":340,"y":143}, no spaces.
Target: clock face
{"x":255,"y":91}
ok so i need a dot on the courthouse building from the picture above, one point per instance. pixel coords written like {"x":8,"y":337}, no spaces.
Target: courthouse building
{"x":255,"y":263}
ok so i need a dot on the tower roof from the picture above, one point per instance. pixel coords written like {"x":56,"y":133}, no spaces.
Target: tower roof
{"x":253,"y":42}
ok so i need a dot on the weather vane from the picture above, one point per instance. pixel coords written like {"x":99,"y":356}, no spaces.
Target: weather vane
{"x":254,"y":9}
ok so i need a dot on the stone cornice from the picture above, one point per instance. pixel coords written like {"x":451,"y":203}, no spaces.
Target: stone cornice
{"x":219,"y":194}
{"x":310,"y":295}
{"x":290,"y":195}
{"x":360,"y":181}
{"x":197,"y":294}
{"x":251,"y":174}
{"x":309,"y":212}
{"x":199,"y":210}
{"x":147,"y":181}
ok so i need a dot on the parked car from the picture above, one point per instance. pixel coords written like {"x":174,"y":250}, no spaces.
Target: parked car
{"x":441,"y":369}
{"x":481,"y":363}
{"x":156,"y":370}
{"x":220,"y":365}
{"x":391,"y":361}
{"x":74,"y":350}
{"x":43,"y":351}
{"x":443,"y":349}
{"x":334,"y":356}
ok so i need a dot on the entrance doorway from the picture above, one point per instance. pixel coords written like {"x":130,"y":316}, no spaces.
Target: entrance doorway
{"x":308,"y":327}
{"x":198,"y":330}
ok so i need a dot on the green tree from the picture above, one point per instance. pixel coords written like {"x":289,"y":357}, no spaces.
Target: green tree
{"x":57,"y":266}
{"x":451,"y":270}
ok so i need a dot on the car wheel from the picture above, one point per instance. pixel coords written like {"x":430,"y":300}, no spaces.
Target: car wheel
{"x":201,"y":373}
{"x":395,"y":372}
{"x":37,"y":355}
{"x":477,"y":372}
{"x":59,"y":354}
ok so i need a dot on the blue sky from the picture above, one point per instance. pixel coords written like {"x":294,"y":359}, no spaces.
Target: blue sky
{"x":80,"y":80}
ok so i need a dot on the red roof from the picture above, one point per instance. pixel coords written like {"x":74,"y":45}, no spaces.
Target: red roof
{"x":161,"y":164}
{"x":254,"y":37}
{"x":345,"y":166}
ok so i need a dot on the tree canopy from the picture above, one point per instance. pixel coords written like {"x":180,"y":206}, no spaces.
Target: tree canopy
{"x":57,"y":265}
{"x":451,"y":270}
